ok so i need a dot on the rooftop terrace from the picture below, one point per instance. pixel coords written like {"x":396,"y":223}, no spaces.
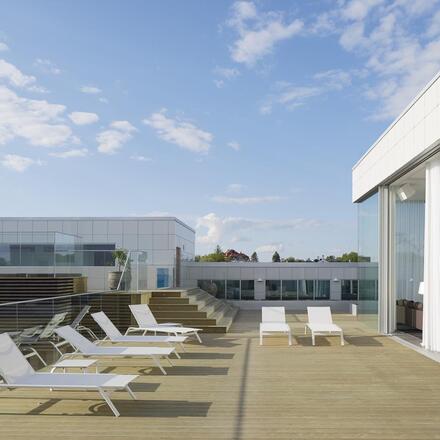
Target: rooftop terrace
{"x":231,"y":388}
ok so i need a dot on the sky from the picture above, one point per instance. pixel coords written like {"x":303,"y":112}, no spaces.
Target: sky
{"x":243,"y":119}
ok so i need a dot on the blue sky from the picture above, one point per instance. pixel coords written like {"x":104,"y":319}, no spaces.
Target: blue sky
{"x":243,"y":119}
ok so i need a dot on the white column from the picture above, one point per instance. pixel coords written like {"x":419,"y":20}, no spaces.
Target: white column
{"x":431,"y":297}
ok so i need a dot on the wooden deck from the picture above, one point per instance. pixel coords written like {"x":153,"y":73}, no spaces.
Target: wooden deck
{"x":231,"y":388}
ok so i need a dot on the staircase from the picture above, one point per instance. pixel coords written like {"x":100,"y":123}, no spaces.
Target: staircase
{"x":192,"y":308}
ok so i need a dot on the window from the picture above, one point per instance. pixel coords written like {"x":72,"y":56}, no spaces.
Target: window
{"x":306,"y":289}
{"x":233,"y":289}
{"x":322,"y":290}
{"x":289,"y":289}
{"x":247,"y":289}
{"x":95,"y":254}
{"x":162,"y":275}
{"x":349,"y":290}
{"x":368,"y":290}
{"x":273,"y":289}
{"x":214,"y":287}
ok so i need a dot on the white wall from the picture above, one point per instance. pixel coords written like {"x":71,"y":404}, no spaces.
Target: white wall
{"x":415,"y":132}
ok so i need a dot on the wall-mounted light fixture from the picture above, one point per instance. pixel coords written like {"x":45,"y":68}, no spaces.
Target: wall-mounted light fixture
{"x":335,"y":280}
{"x":259,"y":280}
{"x":421,"y":288}
{"x":405,"y":192}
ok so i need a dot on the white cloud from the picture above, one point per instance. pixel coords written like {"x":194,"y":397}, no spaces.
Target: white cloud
{"x":103,"y":100}
{"x":234,"y":145}
{"x":400,"y":59}
{"x":180,"y":132}
{"x":269,"y":248}
{"x":83,"y":118}
{"x":359,"y":9}
{"x":91,"y":90}
{"x":250,"y":200}
{"x":18,"y":163}
{"x":235,"y":187}
{"x":226,"y":72}
{"x":213,"y":229}
{"x":123,"y":126}
{"x":3,"y":47}
{"x":12,"y":75}
{"x":219,"y":83}
{"x":113,"y":139}
{"x":140,"y":158}
{"x":292,"y":96}
{"x":80,"y":152}
{"x":258,"y":32}
{"x":47,"y":66}
{"x":38,"y":122}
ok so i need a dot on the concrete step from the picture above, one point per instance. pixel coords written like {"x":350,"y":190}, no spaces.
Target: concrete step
{"x":173,"y":307}
{"x":174,"y":315}
{"x":169,"y":301}
{"x":190,"y":322}
{"x":165,"y":294}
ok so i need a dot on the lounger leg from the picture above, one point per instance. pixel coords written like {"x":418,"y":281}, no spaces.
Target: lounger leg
{"x":129,"y":391}
{"x":155,"y":360}
{"x":106,"y":397}
{"x":313,"y":338}
{"x":342,"y":338}
{"x":169,"y":360}
{"x":305,"y":329}
{"x":290,"y":338}
{"x":197,"y":336}
{"x":261,"y":338}
{"x":182,"y":346}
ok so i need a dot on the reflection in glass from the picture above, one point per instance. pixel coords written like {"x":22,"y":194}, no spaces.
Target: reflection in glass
{"x":305,"y":289}
{"x":247,"y":289}
{"x":273,"y":289}
{"x":349,"y":290}
{"x":233,"y":289}
{"x":290,"y":289}
{"x":368,"y":249}
{"x":214,"y":287}
{"x":322,"y":289}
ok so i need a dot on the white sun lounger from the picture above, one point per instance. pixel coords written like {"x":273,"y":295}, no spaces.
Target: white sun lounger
{"x":274,"y":321}
{"x":321,"y":323}
{"x":114,"y":335}
{"x":18,"y":373}
{"x":142,"y":314}
{"x":84,"y":347}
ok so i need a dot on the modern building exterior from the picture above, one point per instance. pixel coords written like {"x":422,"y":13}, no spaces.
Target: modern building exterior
{"x":85,"y":245}
{"x":293,"y":285}
{"x":396,"y":184}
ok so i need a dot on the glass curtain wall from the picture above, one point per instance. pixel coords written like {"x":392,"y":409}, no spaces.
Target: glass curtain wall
{"x":368,"y":249}
{"x":408,"y":225}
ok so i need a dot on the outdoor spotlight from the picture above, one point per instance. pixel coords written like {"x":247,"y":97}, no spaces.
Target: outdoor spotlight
{"x":405,"y":192}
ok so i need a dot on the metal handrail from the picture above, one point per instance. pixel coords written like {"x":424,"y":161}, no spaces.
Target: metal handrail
{"x":124,"y":269}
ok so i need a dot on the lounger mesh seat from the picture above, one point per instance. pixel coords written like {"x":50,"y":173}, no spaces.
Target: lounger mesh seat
{"x":18,"y":373}
{"x":321,"y":323}
{"x":84,"y":347}
{"x":147,"y":323}
{"x":274,"y":321}
{"x":114,"y":335}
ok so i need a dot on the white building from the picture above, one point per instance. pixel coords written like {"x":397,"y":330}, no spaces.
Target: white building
{"x":292,"y":285}
{"x":397,"y":186}
{"x":85,"y":245}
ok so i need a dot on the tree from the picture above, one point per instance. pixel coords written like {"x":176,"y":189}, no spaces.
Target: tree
{"x":120,"y":258}
{"x":254,"y":257}
{"x":290,"y":260}
{"x":218,"y":256}
{"x":350,"y":257}
{"x":276,"y":257}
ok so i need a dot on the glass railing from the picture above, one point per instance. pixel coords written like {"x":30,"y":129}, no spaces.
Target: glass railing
{"x":32,"y":323}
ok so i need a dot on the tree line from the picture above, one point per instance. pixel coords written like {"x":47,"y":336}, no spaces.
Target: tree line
{"x":220,"y":256}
